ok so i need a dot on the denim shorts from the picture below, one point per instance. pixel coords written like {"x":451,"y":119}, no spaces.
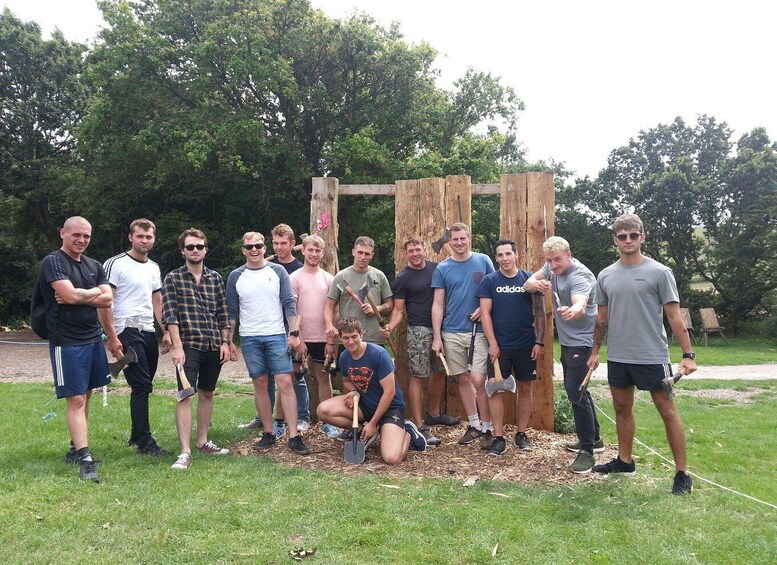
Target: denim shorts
{"x":266,"y":354}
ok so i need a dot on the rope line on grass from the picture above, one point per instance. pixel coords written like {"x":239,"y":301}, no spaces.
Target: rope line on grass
{"x":713,"y":483}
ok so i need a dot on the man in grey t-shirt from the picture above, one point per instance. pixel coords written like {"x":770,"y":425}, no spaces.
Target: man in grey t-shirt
{"x":633,"y":294}
{"x":573,"y":289}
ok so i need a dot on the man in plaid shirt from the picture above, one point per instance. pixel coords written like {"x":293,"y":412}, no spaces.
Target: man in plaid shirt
{"x":194,"y":309}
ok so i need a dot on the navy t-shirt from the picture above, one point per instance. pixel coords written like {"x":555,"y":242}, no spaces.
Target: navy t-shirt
{"x":511,"y":309}
{"x":414,"y":286}
{"x":291,"y":266}
{"x":366,"y":374}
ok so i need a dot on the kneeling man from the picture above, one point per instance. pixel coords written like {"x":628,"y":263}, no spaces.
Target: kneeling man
{"x":381,"y":404}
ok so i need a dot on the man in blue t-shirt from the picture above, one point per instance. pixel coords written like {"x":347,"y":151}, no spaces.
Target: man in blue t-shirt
{"x":381,"y":404}
{"x":514,"y":323}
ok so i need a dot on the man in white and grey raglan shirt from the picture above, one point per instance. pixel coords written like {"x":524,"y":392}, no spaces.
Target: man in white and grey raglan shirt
{"x":259,"y":295}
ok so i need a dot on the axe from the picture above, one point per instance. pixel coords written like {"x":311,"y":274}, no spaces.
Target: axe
{"x":669,"y":383}
{"x":584,"y":385}
{"x":438,"y":245}
{"x":381,"y":322}
{"x":499,"y":384}
{"x":187,"y":388}
{"x":122,"y":362}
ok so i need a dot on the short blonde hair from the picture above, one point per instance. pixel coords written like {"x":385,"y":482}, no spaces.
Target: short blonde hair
{"x":283,"y":230}
{"x":315,"y":241}
{"x":253,"y":235}
{"x":555,"y":243}
{"x":365,"y":241}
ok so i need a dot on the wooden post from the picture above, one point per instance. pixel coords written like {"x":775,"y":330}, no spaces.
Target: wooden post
{"x":527,"y":216}
{"x":323,"y":219}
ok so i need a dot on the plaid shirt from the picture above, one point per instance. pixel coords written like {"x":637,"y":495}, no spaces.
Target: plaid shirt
{"x":199,"y":311}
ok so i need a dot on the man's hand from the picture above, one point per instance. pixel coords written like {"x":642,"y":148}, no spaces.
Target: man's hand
{"x":224,"y":353}
{"x":537,"y":351}
{"x":593,"y":360}
{"x":232,"y":352}
{"x":114,"y":346}
{"x":569,"y":314}
{"x":385,"y":331}
{"x":302,"y":349}
{"x":330,"y":350}
{"x":331,"y":331}
{"x":367,"y":309}
{"x":543,"y":286}
{"x":475,"y":316}
{"x":437,"y":346}
{"x":179,"y":358}
{"x":368,"y":431}
{"x":349,"y":398}
{"x":294,"y":342}
{"x":688,"y":366}
{"x":493,"y":352}
{"x":167,"y":343}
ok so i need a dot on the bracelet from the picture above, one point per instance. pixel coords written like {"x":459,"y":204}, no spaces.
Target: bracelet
{"x":539,"y":343}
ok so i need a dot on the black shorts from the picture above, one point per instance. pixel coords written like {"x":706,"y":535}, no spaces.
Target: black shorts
{"x":516,"y":362}
{"x":644,"y":377}
{"x":316,"y":351}
{"x":394,"y":416}
{"x":202,"y":369}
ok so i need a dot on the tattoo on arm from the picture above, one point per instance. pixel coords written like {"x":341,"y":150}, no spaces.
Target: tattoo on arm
{"x":600,"y":332}
{"x":538,"y":309}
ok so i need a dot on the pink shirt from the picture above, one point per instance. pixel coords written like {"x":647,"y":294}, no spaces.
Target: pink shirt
{"x":311,"y":290}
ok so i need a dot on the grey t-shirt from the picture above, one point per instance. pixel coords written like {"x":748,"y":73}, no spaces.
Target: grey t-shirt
{"x":577,"y":279}
{"x":379,"y":288}
{"x":635,"y":296}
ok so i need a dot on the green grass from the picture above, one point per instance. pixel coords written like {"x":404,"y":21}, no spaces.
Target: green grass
{"x":248,"y":510}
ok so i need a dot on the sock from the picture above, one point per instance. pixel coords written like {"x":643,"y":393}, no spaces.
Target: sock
{"x":474,"y":421}
{"x":84,"y":454}
{"x":487,"y":426}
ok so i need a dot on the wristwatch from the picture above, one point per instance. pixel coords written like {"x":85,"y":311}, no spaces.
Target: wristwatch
{"x":226,"y":342}
{"x":690,"y":355}
{"x":294,"y":333}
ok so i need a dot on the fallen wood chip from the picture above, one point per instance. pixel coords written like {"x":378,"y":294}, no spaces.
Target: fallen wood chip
{"x":493,"y":551}
{"x":470,"y":481}
{"x":389,"y":486}
{"x":503,"y":495}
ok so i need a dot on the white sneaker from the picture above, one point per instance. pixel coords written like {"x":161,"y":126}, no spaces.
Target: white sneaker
{"x":280,"y":429}
{"x":303,"y":426}
{"x":330,"y":431}
{"x":183,"y":461}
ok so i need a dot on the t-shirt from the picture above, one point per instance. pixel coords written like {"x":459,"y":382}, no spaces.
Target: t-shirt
{"x":460,"y":279}
{"x":290,"y":266}
{"x":414,"y":286}
{"x":310,"y":291}
{"x":577,"y":279}
{"x":133,"y":282}
{"x":366,"y":373}
{"x":260,"y":298}
{"x":379,"y":288}
{"x":73,"y":324}
{"x":635,"y":296}
{"x":511,"y":309}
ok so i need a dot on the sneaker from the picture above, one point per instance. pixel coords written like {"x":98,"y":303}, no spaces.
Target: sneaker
{"x":88,"y":469}
{"x":303,"y":426}
{"x":213,"y":449}
{"x":330,"y":431}
{"x":575,"y":447}
{"x":267,"y":440}
{"x":523,"y":442}
{"x":153,"y":450}
{"x":498,"y":447}
{"x":183,"y":461}
{"x":616,"y":466}
{"x":346,"y":435}
{"x":279,"y":428}
{"x":582,"y":463}
{"x":371,"y":440}
{"x":417,"y":439}
{"x":682,"y":484}
{"x":430,"y":438}
{"x":441,"y":420}
{"x":298,"y":446}
{"x":470,"y":435}
{"x":72,"y":458}
{"x":255,"y":424}
{"x":486,"y":440}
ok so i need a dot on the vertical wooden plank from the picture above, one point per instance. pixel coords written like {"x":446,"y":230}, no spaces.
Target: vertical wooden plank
{"x":323,"y":218}
{"x":431,"y":215}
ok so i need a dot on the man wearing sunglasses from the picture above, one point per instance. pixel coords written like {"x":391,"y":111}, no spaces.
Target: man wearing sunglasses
{"x":633,"y":295}
{"x":194,"y":309}
{"x":260,"y":296}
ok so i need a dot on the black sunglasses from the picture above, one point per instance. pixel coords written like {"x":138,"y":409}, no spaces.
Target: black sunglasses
{"x":633,"y":236}
{"x":250,"y":246}
{"x":192,"y":247}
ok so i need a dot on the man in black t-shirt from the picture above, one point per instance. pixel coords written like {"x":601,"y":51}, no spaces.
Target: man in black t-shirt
{"x":73,"y":287}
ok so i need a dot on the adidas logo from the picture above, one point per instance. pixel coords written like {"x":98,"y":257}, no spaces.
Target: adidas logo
{"x":509,"y":289}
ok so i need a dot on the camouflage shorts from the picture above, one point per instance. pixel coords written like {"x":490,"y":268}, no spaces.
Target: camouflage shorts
{"x":421,"y":359}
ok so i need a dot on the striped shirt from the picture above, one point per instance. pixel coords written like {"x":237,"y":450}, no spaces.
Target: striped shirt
{"x":199,"y":310}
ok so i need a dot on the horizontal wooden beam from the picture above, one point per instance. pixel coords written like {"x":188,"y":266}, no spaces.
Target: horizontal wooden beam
{"x":391,"y":190}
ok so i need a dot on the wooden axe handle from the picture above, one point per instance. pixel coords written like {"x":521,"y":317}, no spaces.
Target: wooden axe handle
{"x":444,"y":363}
{"x":381,"y":322}
{"x":497,"y":371}
{"x":586,"y":379}
{"x":356,"y":412}
{"x":182,"y":375}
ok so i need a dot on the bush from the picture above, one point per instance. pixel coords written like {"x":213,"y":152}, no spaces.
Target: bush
{"x":563,"y":418}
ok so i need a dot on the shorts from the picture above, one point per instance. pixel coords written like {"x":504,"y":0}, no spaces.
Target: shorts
{"x":421,"y":359}
{"x":266,"y":354}
{"x":78,"y":368}
{"x":202,"y":369}
{"x":644,"y":377}
{"x":456,"y":347}
{"x":394,"y":416}
{"x":516,"y":362}
{"x":316,"y":351}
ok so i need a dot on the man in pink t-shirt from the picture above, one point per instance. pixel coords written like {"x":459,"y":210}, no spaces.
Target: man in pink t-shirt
{"x":311,"y":285}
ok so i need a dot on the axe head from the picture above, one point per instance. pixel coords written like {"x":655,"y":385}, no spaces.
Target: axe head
{"x":669,"y":382}
{"x":363,"y":292}
{"x":122,"y":362}
{"x":187,"y":389}
{"x":494,"y":386}
{"x":438,"y":245}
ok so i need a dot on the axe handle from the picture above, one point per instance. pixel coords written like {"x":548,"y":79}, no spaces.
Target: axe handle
{"x":586,"y":379}
{"x":182,"y":376}
{"x":444,"y":363}
{"x":381,"y":322}
{"x":497,"y":371}
{"x":353,"y":295}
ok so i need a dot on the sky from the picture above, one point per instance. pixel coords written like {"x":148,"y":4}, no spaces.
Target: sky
{"x":591,"y":74}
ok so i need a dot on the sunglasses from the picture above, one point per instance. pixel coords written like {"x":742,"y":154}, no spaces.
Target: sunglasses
{"x":250,"y":246}
{"x":633,"y":236}
{"x":192,"y":247}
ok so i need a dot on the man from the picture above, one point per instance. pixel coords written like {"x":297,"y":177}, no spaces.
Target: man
{"x":381,"y":406}
{"x":194,"y":309}
{"x":137,"y":299}
{"x":259,"y":294}
{"x":514,"y":323}
{"x":413,"y":292}
{"x":311,"y":285}
{"x":455,"y":321}
{"x":362,"y":278}
{"x":74,"y":286}
{"x":574,"y":309}
{"x":633,"y":294}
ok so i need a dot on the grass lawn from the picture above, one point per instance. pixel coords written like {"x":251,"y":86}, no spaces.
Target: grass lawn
{"x":248,"y":510}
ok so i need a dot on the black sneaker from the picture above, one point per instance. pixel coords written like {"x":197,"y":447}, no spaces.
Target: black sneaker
{"x":486,"y":440}
{"x":153,"y":450}
{"x":616,"y":466}
{"x":682,"y":484}
{"x":255,"y":424}
{"x":523,"y":442}
{"x":470,"y":435}
{"x":346,"y":435}
{"x":88,"y":470}
{"x":267,"y":440}
{"x":298,"y":446}
{"x":431,"y":439}
{"x":71,"y":458}
{"x":417,"y":439}
{"x":498,"y":447}
{"x":441,"y":420}
{"x":575,"y":447}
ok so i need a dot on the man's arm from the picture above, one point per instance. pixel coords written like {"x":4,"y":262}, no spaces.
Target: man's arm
{"x":600,"y":334}
{"x":537,"y":283}
{"x":577,"y":310}
{"x":156,"y":306}
{"x":438,"y":311}
{"x":488,"y":327}
{"x":329,"y":318}
{"x":100,"y":296}
{"x":105,"y":316}
{"x":397,"y":314}
{"x":675,"y":318}
{"x":538,"y":309}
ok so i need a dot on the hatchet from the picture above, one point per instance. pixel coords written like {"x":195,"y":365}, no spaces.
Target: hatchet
{"x":123,"y":362}
{"x":584,"y":385}
{"x":669,"y":382}
{"x":499,"y":384}
{"x":187,"y":389}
